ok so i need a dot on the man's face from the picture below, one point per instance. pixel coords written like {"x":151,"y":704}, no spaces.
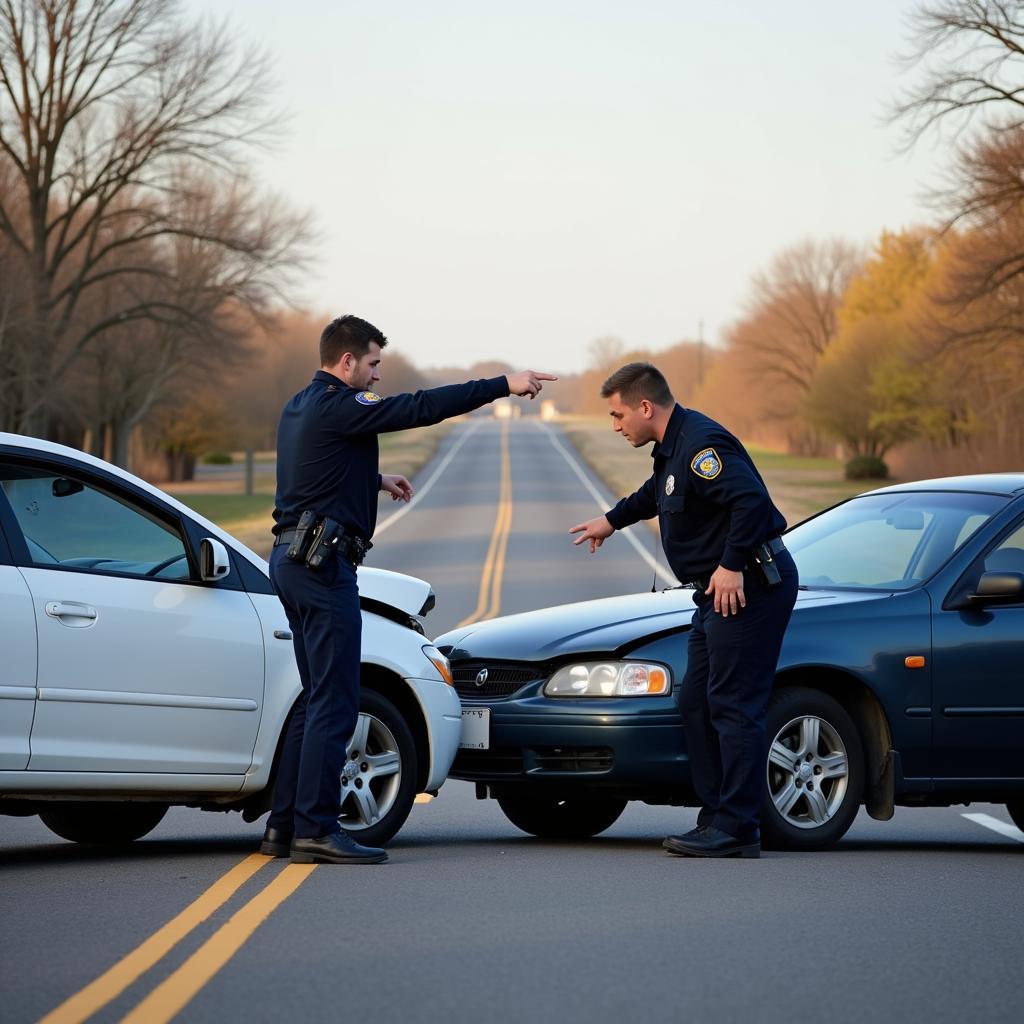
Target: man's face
{"x":635,"y":425}
{"x":361,"y":373}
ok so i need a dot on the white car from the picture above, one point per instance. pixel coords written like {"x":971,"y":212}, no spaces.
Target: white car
{"x":145,"y":661}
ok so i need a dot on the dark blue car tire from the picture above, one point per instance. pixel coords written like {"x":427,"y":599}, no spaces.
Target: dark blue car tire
{"x":555,"y":817}
{"x":1015,"y":808}
{"x":815,"y":771}
{"x":101,"y":823}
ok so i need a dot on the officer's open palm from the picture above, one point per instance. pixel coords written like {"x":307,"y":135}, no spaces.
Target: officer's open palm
{"x":527,"y":382}
{"x":397,"y":486}
{"x":597,"y":531}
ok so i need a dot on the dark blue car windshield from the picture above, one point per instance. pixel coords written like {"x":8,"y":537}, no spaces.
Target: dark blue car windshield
{"x":887,"y":541}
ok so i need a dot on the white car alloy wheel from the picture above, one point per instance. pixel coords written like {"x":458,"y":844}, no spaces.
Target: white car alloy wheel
{"x":808,"y":772}
{"x":372,"y":775}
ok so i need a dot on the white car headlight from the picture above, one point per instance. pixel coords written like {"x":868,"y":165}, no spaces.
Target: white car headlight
{"x":609,"y":679}
{"x":440,"y":662}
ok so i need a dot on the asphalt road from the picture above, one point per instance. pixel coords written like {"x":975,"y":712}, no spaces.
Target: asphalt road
{"x":913,"y":919}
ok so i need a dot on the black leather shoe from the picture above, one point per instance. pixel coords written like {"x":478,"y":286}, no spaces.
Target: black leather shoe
{"x":670,"y":841}
{"x":712,"y":842}
{"x":336,"y":848}
{"x":276,"y":842}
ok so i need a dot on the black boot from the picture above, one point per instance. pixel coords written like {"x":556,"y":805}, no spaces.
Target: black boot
{"x":336,"y":848}
{"x":276,"y":842}
{"x":712,"y":842}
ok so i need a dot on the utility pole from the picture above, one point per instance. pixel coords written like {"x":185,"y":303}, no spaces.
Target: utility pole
{"x":700,"y":353}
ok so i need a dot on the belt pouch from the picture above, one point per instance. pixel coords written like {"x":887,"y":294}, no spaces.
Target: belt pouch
{"x":325,"y":540}
{"x":765,"y":561}
{"x":300,"y":544}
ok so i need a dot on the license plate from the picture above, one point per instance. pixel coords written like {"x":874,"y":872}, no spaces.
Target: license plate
{"x":476,"y":729}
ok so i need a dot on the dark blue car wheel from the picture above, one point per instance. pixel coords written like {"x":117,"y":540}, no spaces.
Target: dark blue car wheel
{"x":815,"y":771}
{"x":555,"y":817}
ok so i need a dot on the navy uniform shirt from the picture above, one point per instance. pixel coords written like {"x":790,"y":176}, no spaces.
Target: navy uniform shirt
{"x":327,"y":452}
{"x":713,"y":505}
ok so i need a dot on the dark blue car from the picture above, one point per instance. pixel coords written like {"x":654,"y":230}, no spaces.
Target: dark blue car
{"x":901,"y":679}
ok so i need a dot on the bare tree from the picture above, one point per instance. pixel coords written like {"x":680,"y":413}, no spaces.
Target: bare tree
{"x":112,"y":112}
{"x":605,"y":353}
{"x":972,"y":56}
{"x":792,"y":315}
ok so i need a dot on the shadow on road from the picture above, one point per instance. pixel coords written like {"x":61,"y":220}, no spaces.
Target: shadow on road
{"x":73,"y":853}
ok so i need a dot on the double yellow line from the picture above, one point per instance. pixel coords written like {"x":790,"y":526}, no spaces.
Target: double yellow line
{"x":489,"y":600}
{"x":174,"y":993}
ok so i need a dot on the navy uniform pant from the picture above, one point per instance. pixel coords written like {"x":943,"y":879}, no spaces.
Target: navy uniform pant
{"x":323,"y":613}
{"x":724,"y":699}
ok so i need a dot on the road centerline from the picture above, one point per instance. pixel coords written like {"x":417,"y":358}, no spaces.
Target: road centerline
{"x":175,"y":992}
{"x":489,"y":598}
{"x":109,"y":985}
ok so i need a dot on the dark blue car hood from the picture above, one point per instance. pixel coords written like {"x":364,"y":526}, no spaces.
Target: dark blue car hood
{"x":596,"y":627}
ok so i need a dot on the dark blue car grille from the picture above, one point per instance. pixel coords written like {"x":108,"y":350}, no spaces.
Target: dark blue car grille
{"x":476,"y":764}
{"x":538,"y":761}
{"x":502,"y":680}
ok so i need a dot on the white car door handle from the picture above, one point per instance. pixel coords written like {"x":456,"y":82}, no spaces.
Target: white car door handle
{"x":71,"y":613}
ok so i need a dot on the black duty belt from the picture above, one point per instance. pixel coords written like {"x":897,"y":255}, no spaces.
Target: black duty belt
{"x":776,"y":546}
{"x":353,"y":548}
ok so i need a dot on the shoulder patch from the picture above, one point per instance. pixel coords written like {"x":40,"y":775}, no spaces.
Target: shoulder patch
{"x":368,"y":398}
{"x":707,"y":464}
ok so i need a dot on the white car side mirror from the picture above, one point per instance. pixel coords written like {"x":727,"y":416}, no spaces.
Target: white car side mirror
{"x":214,"y":562}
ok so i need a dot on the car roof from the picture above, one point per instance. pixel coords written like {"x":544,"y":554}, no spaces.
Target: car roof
{"x":1007,"y":484}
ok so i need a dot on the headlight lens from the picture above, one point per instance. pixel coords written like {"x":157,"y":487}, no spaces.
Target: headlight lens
{"x":609,"y":679}
{"x":440,"y":662}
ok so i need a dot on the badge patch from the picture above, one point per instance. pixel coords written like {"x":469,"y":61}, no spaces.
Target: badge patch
{"x":707,"y":464}
{"x":670,"y":485}
{"x":368,"y":398}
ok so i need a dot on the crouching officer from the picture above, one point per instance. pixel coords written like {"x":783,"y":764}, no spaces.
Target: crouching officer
{"x":326,"y":510}
{"x":720,"y":531}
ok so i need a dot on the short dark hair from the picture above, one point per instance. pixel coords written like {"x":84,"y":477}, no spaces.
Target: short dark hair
{"x":637,"y":381}
{"x":348,"y":334}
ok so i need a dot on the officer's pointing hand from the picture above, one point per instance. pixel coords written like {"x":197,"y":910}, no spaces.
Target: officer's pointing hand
{"x":527,"y":382}
{"x":727,"y":586}
{"x":597,"y":531}
{"x":397,"y":486}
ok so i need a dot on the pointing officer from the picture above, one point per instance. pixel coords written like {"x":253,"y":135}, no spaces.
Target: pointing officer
{"x":720,"y":531}
{"x":326,"y":510}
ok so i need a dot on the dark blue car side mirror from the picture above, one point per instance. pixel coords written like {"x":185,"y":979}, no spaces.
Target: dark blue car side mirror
{"x":998,"y":588}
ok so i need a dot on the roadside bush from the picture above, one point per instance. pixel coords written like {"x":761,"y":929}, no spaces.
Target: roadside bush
{"x":218,"y":459}
{"x":866,"y":467}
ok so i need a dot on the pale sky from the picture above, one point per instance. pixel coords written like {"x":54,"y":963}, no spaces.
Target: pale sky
{"x":512,"y":180}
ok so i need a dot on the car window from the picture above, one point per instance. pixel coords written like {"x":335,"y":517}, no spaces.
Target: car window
{"x":70,"y":523}
{"x":1009,"y":555}
{"x":887,"y":541}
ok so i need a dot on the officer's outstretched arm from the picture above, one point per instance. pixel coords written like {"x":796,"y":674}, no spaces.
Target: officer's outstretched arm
{"x":363,"y":412}
{"x":642,"y":504}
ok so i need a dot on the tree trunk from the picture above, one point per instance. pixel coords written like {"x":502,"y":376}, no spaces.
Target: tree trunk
{"x":120,"y":448}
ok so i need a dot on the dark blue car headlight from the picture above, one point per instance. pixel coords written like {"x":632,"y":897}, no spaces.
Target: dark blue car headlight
{"x":609,"y":679}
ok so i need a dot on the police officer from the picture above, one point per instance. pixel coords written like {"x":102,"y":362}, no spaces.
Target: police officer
{"x":720,"y":532}
{"x":327,"y":483}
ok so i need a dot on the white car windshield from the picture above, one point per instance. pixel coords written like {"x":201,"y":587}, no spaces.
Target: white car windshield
{"x":887,"y":541}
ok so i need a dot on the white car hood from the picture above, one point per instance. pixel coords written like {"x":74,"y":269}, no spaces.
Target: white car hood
{"x":406,"y":593}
